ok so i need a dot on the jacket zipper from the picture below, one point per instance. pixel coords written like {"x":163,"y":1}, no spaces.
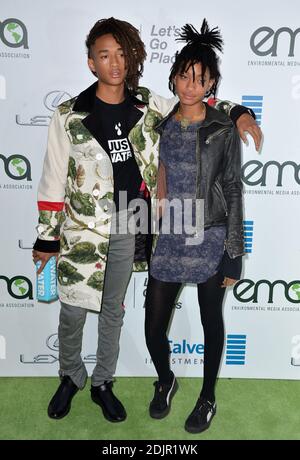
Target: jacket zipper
{"x":219,"y":188}
{"x":215,"y":134}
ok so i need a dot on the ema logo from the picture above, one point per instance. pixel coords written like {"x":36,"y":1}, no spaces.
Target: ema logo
{"x":254,"y":172}
{"x":235,"y":349}
{"x":17,"y":167}
{"x":267,"y":35}
{"x":247,"y":290}
{"x":2,"y":87}
{"x":248,"y":235}
{"x":255,"y":103}
{"x":2,"y":347}
{"x":13,"y":33}
{"x":18,"y":287}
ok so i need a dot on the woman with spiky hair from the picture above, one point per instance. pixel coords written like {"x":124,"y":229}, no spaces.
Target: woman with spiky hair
{"x":200,"y":162}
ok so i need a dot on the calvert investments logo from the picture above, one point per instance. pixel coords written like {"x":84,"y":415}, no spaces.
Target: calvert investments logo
{"x":255,"y":103}
{"x":2,"y":87}
{"x":235,"y":349}
{"x":51,"y":101}
{"x":185,"y":347}
{"x":19,"y":287}
{"x":51,"y":354}
{"x":248,"y":235}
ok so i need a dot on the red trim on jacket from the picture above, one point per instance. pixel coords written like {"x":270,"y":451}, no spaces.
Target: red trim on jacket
{"x":212,"y":101}
{"x":144,"y":189}
{"x":50,"y":206}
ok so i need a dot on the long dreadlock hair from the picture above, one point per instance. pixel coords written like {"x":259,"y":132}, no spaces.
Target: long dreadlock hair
{"x":199,"y":49}
{"x":129,"y":39}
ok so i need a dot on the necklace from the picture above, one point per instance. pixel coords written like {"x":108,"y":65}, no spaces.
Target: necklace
{"x":186,"y":121}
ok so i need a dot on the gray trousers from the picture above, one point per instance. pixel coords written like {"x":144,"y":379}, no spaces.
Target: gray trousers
{"x":110,"y":319}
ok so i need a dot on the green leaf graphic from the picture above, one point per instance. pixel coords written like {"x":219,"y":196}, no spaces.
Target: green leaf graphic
{"x":83,"y":203}
{"x":67,"y":274}
{"x":83,"y":253}
{"x":96,"y":281}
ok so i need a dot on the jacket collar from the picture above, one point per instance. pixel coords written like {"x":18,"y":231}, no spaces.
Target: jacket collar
{"x":85,"y":103}
{"x":212,"y":116}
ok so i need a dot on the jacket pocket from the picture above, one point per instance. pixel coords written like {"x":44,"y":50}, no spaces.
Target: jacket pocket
{"x":221,"y":196}
{"x":217,"y":133}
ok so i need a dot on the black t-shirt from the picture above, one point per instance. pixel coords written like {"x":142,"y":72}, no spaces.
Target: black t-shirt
{"x":114,"y":131}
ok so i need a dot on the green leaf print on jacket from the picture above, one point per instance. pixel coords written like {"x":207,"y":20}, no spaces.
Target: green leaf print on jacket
{"x":144,"y":92}
{"x":96,"y":281}
{"x":83,"y":253}
{"x":103,"y":248}
{"x":67,"y":274}
{"x":45,"y":217}
{"x":72,"y":168}
{"x":150,"y":174}
{"x":83,"y":203}
{"x":152,"y":118}
{"x":136,"y":137}
{"x":78,"y":132}
{"x":66,"y":106}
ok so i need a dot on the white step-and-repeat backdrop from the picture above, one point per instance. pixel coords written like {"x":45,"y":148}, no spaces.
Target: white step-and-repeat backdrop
{"x":42,"y":63}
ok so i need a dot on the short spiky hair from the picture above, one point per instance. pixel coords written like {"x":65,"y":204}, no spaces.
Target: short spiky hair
{"x":129,"y":39}
{"x":199,"y":49}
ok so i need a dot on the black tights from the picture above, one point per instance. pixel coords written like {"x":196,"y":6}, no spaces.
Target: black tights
{"x":160,"y":299}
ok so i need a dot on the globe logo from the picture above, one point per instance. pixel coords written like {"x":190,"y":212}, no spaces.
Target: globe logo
{"x":296,"y":289}
{"x":13,"y":33}
{"x":17,"y":167}
{"x":20,"y":287}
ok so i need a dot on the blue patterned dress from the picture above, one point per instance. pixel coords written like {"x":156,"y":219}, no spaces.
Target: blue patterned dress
{"x":174,"y":260}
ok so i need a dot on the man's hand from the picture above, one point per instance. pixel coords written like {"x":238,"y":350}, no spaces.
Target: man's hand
{"x":228,"y":282}
{"x":246,"y":123}
{"x":43,"y":257}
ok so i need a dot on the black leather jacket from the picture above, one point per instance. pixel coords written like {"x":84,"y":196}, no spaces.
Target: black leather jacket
{"x":218,"y":154}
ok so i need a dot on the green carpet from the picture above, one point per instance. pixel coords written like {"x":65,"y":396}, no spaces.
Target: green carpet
{"x":247,"y":410}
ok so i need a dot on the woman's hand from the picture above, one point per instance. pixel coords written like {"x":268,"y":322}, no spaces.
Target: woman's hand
{"x":246,"y":124}
{"x":228,"y":282}
{"x":43,"y":257}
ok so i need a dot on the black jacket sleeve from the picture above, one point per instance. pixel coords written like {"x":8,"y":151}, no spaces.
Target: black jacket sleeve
{"x":47,"y":246}
{"x":232,"y":268}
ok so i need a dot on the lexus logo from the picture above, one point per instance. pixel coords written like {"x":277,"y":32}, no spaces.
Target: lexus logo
{"x":53,"y":99}
{"x":52,"y":342}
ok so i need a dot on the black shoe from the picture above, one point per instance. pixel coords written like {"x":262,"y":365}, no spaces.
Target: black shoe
{"x":201,"y":416}
{"x":113,"y":410}
{"x":161,"y":403}
{"x":60,"y":404}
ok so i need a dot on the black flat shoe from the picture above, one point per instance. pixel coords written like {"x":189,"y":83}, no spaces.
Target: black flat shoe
{"x":113,"y":410}
{"x":60,"y":404}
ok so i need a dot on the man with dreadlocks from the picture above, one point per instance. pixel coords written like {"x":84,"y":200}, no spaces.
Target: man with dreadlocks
{"x":102,"y":153}
{"x":200,"y":158}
